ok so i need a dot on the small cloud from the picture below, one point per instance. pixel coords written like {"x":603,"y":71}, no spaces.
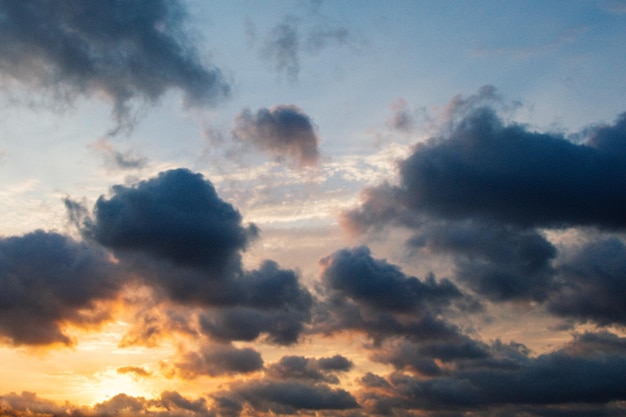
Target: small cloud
{"x":281,"y":131}
{"x":134,"y":370}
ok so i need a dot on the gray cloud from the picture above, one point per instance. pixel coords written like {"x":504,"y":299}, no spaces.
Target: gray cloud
{"x":588,"y":371}
{"x":311,"y":369}
{"x":288,"y":397}
{"x":592,"y":283}
{"x":177,"y":235}
{"x":488,"y":171}
{"x":499,"y":261}
{"x":285,"y":44}
{"x":361,"y":293}
{"x":176,"y":216}
{"x":127,"y":51}
{"x":374,"y":283}
{"x":483,"y":191}
{"x":214,"y":360}
{"x":49,"y":280}
{"x":281,"y":131}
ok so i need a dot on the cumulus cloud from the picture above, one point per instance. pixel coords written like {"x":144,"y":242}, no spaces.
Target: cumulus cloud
{"x":592,"y":283}
{"x":176,"y":216}
{"x":311,"y":369}
{"x":126,"y":51}
{"x":49,"y":281}
{"x":214,"y":360}
{"x":368,"y":295}
{"x":483,"y":192}
{"x":375,"y":283}
{"x":499,"y":261}
{"x":267,"y":301}
{"x":181,"y":239}
{"x":486,"y":170}
{"x":283,"y":131}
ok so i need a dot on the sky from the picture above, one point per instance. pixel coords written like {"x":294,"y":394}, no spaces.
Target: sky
{"x":315,"y":208}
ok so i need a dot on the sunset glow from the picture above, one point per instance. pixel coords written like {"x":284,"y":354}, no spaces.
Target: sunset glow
{"x":314,"y":208}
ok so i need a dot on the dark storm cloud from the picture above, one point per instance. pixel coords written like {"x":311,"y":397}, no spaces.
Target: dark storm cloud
{"x":573,"y":375}
{"x":49,"y":280}
{"x":176,"y":216}
{"x":288,"y":397}
{"x":499,"y":261}
{"x":125,"y":50}
{"x":214,"y":360}
{"x":311,"y":369}
{"x":281,"y":131}
{"x":488,"y":171}
{"x":593,"y":284}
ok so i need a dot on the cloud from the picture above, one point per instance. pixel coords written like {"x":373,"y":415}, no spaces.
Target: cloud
{"x":214,"y":360}
{"x":592,"y":283}
{"x":126,"y":51}
{"x":506,"y":378}
{"x":483,"y":192}
{"x":488,"y":171}
{"x":401,"y":118}
{"x":49,"y":281}
{"x":176,"y":216}
{"x":374,"y":283}
{"x":134,"y":370}
{"x":284,"y":45}
{"x":118,"y":160}
{"x":499,"y":261}
{"x":178,"y":237}
{"x":288,"y":397}
{"x":311,"y":369}
{"x":368,"y":295}
{"x":281,"y":131}
{"x":282,"y":48}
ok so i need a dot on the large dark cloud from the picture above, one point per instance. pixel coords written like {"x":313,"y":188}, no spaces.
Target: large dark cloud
{"x":281,"y":131}
{"x":176,"y":216}
{"x":482,"y":192}
{"x":488,"y":171}
{"x":125,"y":50}
{"x":180,"y":238}
{"x":48,"y":281}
